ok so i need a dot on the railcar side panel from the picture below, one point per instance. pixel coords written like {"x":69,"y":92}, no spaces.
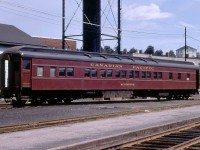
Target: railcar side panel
{"x":80,"y":82}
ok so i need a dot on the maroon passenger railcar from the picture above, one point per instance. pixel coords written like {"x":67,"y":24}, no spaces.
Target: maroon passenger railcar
{"x":51,"y":75}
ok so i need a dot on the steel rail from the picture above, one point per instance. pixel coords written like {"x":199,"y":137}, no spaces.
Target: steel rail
{"x":163,"y":140}
{"x":34,"y":125}
{"x":5,"y":106}
{"x":186,"y":144}
{"x":13,"y":128}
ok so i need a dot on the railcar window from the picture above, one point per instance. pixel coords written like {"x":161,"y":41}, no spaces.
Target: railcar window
{"x":103,"y":73}
{"x":188,"y":76}
{"x":131,"y":74}
{"x":87,"y":72}
{"x":109,"y":73}
{"x":179,"y":75}
{"x":70,"y":72}
{"x":123,"y":73}
{"x":170,"y":75}
{"x":148,"y":74}
{"x":155,"y":75}
{"x":117,"y":74}
{"x":52,"y":71}
{"x":94,"y":72}
{"x":143,"y":74}
{"x":40,"y":71}
{"x":62,"y":71}
{"x":26,"y":63}
{"x":137,"y":74}
{"x":159,"y":75}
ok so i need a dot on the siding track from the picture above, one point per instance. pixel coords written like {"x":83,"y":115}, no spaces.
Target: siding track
{"x":184,"y":138}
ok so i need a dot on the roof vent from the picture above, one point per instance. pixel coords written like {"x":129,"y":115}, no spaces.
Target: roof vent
{"x":88,"y":55}
{"x":154,"y":60}
{"x":131,"y":58}
{"x":144,"y":60}
{"x":103,"y":56}
{"x":118,"y":57}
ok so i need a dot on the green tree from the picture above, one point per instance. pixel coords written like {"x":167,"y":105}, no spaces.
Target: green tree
{"x":116,"y":50}
{"x":107,"y":49}
{"x":171,"y":53}
{"x":133,"y":50}
{"x":124,"y":51}
{"x":149,"y":50}
{"x":158,"y":53}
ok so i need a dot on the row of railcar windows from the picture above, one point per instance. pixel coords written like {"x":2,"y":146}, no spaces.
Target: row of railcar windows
{"x":108,"y":73}
{"x":121,"y":73}
{"x":130,"y":73}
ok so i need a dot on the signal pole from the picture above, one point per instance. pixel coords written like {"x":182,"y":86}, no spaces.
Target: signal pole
{"x":185,"y":42}
{"x":63,"y":24}
{"x":119,"y":27}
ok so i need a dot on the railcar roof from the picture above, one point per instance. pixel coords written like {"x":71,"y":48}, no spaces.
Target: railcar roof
{"x":46,"y":53}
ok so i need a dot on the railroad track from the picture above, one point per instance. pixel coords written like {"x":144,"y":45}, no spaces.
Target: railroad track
{"x":34,"y":125}
{"x":5,"y":105}
{"x":185,"y":138}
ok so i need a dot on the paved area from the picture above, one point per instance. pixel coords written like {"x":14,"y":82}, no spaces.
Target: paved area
{"x":66,"y":135}
{"x":28,"y":115}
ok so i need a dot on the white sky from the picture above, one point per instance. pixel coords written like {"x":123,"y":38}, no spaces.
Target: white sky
{"x":159,"y":23}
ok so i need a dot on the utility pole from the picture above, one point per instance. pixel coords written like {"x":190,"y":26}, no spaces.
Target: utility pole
{"x":185,"y":42}
{"x":119,"y":27}
{"x":63,"y":24}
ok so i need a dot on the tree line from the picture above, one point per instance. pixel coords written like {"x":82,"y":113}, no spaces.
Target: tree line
{"x":149,"y":50}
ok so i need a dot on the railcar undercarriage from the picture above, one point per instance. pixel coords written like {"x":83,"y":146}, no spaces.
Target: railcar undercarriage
{"x":54,"y":97}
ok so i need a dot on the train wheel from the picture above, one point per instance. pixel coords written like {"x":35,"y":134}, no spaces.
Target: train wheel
{"x":158,"y":98}
{"x":67,"y":101}
{"x":14,"y":103}
{"x":37,"y":100}
{"x":52,"y":101}
{"x":34,"y":101}
{"x":18,"y":102}
{"x":186,"y":97}
{"x":169,"y":98}
{"x":42,"y":100}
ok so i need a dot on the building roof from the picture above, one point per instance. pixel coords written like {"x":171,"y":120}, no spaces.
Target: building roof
{"x":188,"y":48}
{"x":57,"y":43}
{"x":11,"y":35}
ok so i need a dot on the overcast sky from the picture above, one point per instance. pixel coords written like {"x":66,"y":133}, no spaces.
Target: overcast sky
{"x":160,"y":23}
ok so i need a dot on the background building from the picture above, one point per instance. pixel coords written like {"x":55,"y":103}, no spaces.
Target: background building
{"x":190,"y":52}
{"x":11,"y":36}
{"x":56,"y":43}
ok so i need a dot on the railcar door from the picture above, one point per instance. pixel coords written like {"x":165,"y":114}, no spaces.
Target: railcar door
{"x":14,"y":72}
{"x":10,"y":75}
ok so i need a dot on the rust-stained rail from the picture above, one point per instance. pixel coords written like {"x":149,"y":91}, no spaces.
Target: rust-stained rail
{"x":184,"y":138}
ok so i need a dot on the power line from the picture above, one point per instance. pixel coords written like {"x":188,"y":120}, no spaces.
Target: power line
{"x":31,"y":17}
{"x":76,"y":20}
{"x":30,"y":14}
{"x":193,"y":38}
{"x":12,"y":4}
{"x":142,"y":34}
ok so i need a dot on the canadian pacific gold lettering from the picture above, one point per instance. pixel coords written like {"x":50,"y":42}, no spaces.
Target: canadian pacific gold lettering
{"x":101,"y":65}
{"x":143,"y":68}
